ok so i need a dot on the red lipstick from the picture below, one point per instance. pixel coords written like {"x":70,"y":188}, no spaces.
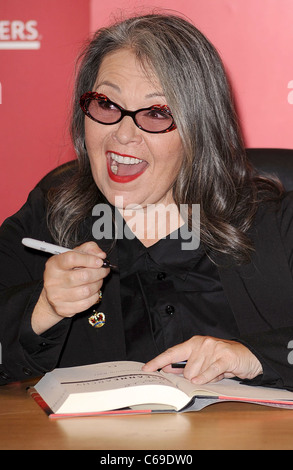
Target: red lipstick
{"x":124,"y":172}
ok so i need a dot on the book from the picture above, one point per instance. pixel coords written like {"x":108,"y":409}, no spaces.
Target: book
{"x":122,"y":388}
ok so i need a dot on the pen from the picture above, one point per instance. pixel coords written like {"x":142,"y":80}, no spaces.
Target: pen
{"x":179,"y":365}
{"x":55,"y":250}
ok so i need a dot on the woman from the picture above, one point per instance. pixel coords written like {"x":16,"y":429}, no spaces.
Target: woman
{"x":153,"y":127}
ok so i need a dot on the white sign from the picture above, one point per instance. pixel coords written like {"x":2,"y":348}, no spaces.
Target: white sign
{"x":17,"y":35}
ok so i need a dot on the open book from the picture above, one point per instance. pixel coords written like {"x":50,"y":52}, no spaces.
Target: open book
{"x":122,"y":387}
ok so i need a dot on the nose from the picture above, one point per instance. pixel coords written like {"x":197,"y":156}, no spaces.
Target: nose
{"x":126,"y":131}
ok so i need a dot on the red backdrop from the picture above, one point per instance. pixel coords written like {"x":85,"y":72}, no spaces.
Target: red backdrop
{"x":39,"y":41}
{"x":35,"y":90}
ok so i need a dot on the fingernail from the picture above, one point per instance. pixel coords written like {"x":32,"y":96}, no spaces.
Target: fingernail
{"x":197,"y":380}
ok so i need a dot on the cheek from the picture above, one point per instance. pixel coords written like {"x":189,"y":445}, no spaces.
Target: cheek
{"x":96,"y":134}
{"x":92,"y":137}
{"x":172,"y":156}
{"x":93,"y":143}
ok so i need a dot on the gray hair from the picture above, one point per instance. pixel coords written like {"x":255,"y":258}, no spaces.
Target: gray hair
{"x":214,"y":172}
{"x":191,"y":75}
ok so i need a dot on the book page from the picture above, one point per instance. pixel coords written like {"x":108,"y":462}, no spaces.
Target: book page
{"x":106,"y":386}
{"x":230,"y":388}
{"x":108,"y":376}
{"x":120,"y":376}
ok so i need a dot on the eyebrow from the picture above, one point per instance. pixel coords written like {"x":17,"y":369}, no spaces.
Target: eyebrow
{"x":112,"y":85}
{"x":155,"y":94}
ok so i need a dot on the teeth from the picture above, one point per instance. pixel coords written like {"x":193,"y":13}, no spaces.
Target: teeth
{"x":114,"y":169}
{"x":124,"y":160}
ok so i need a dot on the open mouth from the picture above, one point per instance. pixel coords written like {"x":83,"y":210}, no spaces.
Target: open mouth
{"x":123,"y":168}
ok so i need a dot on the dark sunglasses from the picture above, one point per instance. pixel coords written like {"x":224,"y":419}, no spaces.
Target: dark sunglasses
{"x":156,"y":119}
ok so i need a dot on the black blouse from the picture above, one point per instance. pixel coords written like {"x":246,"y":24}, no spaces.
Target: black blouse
{"x":169,"y":295}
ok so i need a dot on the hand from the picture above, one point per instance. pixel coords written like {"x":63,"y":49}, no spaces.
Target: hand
{"x":208,"y":360}
{"x":72,"y":282}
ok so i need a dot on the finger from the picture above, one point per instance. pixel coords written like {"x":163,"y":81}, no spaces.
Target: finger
{"x":172,"y":370}
{"x":81,"y":293}
{"x":86,"y":255}
{"x":91,"y":248}
{"x":74,"y":259}
{"x":71,"y":308}
{"x":172,"y":355}
{"x":214,"y":372}
{"x":63,"y":295}
{"x":84,"y":276}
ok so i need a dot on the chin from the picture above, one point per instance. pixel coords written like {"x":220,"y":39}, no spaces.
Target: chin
{"x":122,"y":202}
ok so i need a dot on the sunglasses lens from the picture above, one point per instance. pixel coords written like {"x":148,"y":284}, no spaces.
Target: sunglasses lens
{"x":103,"y":111}
{"x":154,"y":119}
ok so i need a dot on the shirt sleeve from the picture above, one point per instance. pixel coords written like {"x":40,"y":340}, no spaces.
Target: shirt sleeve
{"x":25,"y":354}
{"x":271,"y":347}
{"x":285,"y":222}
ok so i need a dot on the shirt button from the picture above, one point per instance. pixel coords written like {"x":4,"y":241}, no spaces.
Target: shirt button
{"x":4,"y":376}
{"x":161,"y":276}
{"x":27,"y":371}
{"x":170,"y":309}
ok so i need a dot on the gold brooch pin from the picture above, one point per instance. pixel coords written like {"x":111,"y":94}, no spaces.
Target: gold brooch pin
{"x":97,"y":320}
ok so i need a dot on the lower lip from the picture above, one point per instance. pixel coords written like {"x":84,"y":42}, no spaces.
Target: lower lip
{"x":122,"y":179}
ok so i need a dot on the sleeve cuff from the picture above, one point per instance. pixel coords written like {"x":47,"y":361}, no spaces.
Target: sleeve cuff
{"x":34,"y":344}
{"x":269,"y":377}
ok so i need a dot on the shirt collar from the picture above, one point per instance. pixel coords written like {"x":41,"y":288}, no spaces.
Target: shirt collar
{"x":167,"y":255}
